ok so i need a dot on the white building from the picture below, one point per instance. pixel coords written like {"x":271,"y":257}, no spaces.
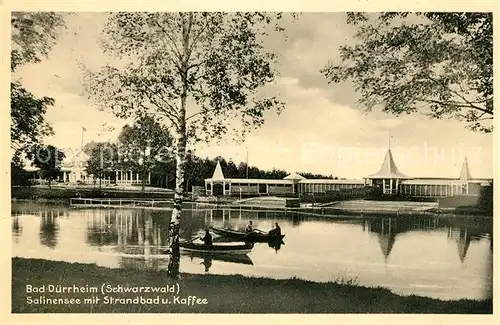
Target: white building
{"x":73,"y":172}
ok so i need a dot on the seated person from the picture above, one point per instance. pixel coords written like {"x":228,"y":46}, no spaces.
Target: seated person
{"x":249,"y":227}
{"x":276,"y":231}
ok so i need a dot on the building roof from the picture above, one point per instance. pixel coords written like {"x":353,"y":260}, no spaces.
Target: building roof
{"x":218,"y":175}
{"x":332,"y":181}
{"x":287,"y":181}
{"x":464,"y":172}
{"x":258,"y":181}
{"x":388,"y":169}
{"x":294,"y":177}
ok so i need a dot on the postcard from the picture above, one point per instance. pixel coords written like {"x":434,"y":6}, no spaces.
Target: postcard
{"x":250,"y":164}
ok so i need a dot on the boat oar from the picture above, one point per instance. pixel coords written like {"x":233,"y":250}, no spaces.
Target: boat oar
{"x":193,"y":239}
{"x":262,"y":232}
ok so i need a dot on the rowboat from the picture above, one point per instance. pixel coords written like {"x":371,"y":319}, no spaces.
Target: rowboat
{"x":217,"y":249}
{"x":230,"y":258}
{"x":251,"y":237}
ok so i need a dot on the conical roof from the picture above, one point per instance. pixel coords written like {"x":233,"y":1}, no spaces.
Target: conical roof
{"x":386,"y":242}
{"x":294,"y":176}
{"x":388,"y":169}
{"x":218,"y":175}
{"x":464,"y":172}
{"x":463,"y":247}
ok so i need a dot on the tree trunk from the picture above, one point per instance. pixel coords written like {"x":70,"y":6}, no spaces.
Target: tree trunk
{"x":174,"y":262}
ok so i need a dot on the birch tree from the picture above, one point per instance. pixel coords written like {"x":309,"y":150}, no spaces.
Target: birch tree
{"x":202,"y":73}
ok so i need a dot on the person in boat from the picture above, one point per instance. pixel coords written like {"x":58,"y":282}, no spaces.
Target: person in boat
{"x":276,"y":231}
{"x":207,"y":239}
{"x":249,"y":227}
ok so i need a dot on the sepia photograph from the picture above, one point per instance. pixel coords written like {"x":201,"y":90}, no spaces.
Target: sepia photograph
{"x":251,"y":162}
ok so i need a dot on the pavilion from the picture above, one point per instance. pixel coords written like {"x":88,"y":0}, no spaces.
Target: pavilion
{"x":388,"y":177}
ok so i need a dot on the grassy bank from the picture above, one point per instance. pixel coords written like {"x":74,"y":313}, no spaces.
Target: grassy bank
{"x":61,"y":193}
{"x":224,"y":294}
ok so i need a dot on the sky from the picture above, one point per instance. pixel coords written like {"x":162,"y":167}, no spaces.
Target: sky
{"x":321,"y":130}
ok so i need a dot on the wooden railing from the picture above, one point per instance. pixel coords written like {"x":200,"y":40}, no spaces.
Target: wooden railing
{"x":118,"y":202}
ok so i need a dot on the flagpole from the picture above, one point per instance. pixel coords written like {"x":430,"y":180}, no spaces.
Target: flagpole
{"x":247,"y":164}
{"x":81,"y":143}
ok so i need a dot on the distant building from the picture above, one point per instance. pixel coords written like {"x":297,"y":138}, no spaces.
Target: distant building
{"x":290,"y":185}
{"x":388,"y":178}
{"x":73,"y":172}
{"x":393,"y":182}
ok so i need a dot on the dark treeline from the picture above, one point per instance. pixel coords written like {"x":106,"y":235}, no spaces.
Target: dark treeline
{"x":199,"y":169}
{"x":163,"y":170}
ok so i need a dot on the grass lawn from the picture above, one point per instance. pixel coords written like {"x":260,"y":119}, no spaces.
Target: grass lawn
{"x":223,"y":294}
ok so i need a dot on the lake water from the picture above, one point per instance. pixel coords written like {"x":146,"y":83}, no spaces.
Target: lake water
{"x":445,"y":257}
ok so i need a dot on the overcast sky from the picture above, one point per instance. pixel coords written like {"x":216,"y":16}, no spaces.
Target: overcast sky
{"x":321,"y":130}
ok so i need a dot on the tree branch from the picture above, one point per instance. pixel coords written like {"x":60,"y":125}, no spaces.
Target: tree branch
{"x":175,"y":50}
{"x":198,"y":35}
{"x":470,"y":104}
{"x":172,"y":117}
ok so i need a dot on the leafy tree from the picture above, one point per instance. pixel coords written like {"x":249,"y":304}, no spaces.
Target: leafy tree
{"x":89,"y":146}
{"x":18,"y":175}
{"x":28,"y":123}
{"x":315,"y":176}
{"x":200,"y":72}
{"x":197,"y":170}
{"x":48,"y":159}
{"x":439,"y":64}
{"x":32,"y":36}
{"x":275,"y":174}
{"x":102,"y":161}
{"x":143,"y":144}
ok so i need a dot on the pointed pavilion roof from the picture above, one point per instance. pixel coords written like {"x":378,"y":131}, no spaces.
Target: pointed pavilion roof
{"x":386,"y":243}
{"x":464,"y":172}
{"x":388,"y":169}
{"x":463,"y":247}
{"x":294,"y":176}
{"x":218,"y":175}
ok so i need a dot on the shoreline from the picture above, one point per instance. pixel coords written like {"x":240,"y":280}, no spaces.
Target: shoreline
{"x":224,"y":293}
{"x":326,"y":212}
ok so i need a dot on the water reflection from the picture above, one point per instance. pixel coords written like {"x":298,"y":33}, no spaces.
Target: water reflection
{"x":208,"y":258}
{"x":17,"y":229}
{"x":387,"y":230}
{"x":442,"y":257}
{"x":49,"y":228}
{"x":124,"y":228}
{"x":276,"y":244}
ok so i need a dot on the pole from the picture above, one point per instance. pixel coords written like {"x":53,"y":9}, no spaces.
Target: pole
{"x":81,"y":143}
{"x":247,"y":164}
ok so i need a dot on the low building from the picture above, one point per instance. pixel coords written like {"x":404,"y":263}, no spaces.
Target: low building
{"x":393,"y":182}
{"x":389,"y":179}
{"x":73,"y":171}
{"x":292,"y":184}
